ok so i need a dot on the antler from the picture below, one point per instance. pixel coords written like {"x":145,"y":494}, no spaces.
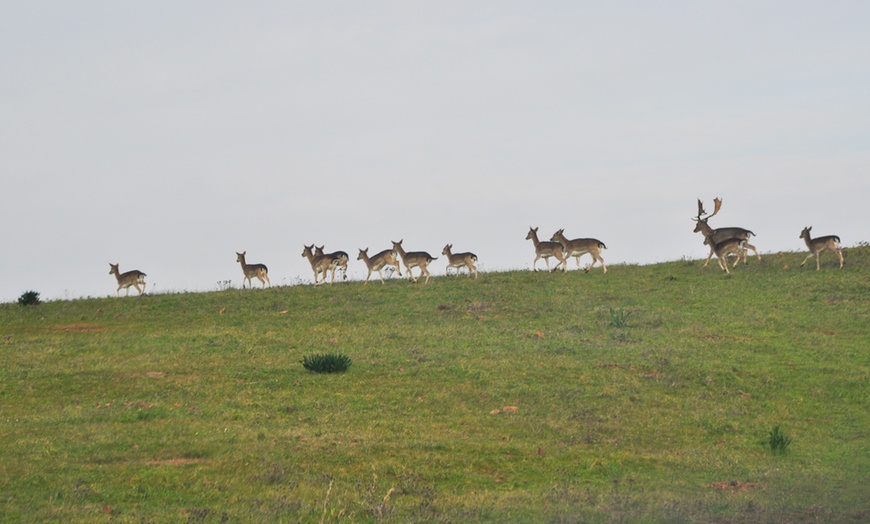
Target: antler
{"x":717,"y":205}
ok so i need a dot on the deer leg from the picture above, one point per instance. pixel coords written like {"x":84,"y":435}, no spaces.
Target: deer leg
{"x":840,"y":254}
{"x":710,"y":256}
{"x":805,"y":260}
{"x":746,"y":246}
{"x":757,"y":255}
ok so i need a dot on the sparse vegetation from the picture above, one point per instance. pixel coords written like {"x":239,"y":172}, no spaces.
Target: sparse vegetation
{"x":618,"y":317}
{"x":326,"y":363}
{"x":510,"y":398}
{"x":778,"y":441}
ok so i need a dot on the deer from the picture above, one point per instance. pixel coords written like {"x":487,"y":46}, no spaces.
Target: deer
{"x":819,"y":244}
{"x":546,"y":250}
{"x":579,"y":247}
{"x":413,"y":259}
{"x":319,"y":264}
{"x":458,"y":260}
{"x":340,"y":257}
{"x":253,"y":270}
{"x":731,"y":246}
{"x":377,"y":262}
{"x":715,"y":236}
{"x":127,"y":279}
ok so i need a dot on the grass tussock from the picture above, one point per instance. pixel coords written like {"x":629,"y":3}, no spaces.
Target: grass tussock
{"x":642,"y":395}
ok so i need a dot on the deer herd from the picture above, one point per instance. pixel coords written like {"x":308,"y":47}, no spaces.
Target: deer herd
{"x":724,"y":242}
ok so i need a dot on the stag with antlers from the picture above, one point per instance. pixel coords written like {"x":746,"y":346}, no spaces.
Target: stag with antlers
{"x":713,"y":237}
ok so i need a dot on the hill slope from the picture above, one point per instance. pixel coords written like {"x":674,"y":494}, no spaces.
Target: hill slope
{"x":516,"y":397}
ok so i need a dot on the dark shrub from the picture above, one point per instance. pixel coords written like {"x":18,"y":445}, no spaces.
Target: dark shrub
{"x":29,"y":298}
{"x":326,"y":363}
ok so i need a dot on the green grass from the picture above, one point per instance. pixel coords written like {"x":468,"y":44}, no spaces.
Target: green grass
{"x":195,"y":407}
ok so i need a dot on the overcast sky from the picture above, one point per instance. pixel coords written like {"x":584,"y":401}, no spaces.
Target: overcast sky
{"x":166,"y":136}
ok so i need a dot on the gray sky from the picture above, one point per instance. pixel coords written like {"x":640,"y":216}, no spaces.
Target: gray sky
{"x":166,"y":136}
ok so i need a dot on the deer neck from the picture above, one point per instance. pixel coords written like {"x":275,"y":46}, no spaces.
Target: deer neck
{"x":706,"y":230}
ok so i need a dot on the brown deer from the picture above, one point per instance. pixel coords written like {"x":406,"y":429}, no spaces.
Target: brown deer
{"x":127,"y":279}
{"x":715,"y":236}
{"x":817,"y":245}
{"x":458,"y":260}
{"x":253,"y":270}
{"x":731,"y":246}
{"x":413,"y":259}
{"x":546,"y":250}
{"x":377,"y":262}
{"x":319,"y":264}
{"x":340,"y":259}
{"x":579,"y":247}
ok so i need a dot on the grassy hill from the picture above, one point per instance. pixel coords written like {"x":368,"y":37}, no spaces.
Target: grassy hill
{"x":646,"y":394}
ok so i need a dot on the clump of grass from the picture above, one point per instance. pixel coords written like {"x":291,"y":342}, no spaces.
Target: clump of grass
{"x":778,"y":441}
{"x":326,"y":363}
{"x":618,"y":317}
{"x":29,"y":298}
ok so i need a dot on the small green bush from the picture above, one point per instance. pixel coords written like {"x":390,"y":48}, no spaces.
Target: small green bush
{"x":29,"y":298}
{"x":326,"y":363}
{"x":618,"y":317}
{"x":778,"y":441}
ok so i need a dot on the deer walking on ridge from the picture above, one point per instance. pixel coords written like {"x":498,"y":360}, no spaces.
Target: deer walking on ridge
{"x":260,"y":271}
{"x":377,"y":262}
{"x":819,"y":244}
{"x":715,"y":236}
{"x":413,"y":259}
{"x":127,"y":279}
{"x":339,"y":260}
{"x":546,"y":250}
{"x":458,"y":260}
{"x":319,"y":264}
{"x":579,"y":247}
{"x":731,"y":246}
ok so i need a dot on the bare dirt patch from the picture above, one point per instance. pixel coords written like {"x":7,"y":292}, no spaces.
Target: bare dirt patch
{"x":178,"y":461}
{"x":735,"y":485}
{"x":78,"y":328}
